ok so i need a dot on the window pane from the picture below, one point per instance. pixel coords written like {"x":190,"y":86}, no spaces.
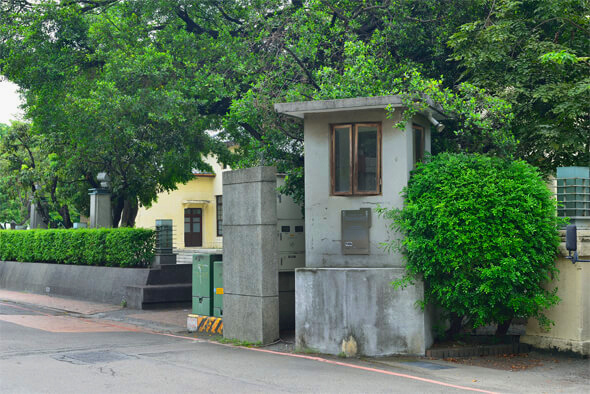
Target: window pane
{"x":219,"y":200}
{"x":418,"y":145}
{"x":187,"y":227}
{"x":341,"y":159}
{"x":196,"y":227}
{"x":367,"y":158}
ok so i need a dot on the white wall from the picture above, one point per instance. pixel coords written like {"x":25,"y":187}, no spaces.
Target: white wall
{"x":322,"y":211}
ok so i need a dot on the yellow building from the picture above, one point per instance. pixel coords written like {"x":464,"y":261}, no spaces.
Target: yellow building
{"x":196,"y":212}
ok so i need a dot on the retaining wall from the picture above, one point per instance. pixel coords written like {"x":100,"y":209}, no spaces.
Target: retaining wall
{"x":100,"y":284}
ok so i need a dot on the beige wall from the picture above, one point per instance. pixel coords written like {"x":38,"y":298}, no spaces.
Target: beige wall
{"x":197,"y":193}
{"x":571,"y":331}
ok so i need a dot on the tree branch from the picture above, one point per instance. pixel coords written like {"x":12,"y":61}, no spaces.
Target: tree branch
{"x":251,"y":130}
{"x":303,"y":68}
{"x":226,"y":16}
{"x":192,"y":27}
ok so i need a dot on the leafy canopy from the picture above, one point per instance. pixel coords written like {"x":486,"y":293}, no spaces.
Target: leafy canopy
{"x":534,"y":55}
{"x":131,"y":87}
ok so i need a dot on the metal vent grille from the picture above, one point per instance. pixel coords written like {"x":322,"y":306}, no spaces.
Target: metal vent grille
{"x":573,"y":192}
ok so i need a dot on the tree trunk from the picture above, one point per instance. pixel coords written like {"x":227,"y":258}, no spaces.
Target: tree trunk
{"x":64,"y":211}
{"x":117,"y":210}
{"x":503,"y":328}
{"x":43,"y":209}
{"x":129,"y":214}
{"x":456,"y":324}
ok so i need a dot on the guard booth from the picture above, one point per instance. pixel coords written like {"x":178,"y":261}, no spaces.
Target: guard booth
{"x":355,"y":160}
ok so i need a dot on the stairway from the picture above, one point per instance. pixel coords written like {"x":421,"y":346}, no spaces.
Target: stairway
{"x":167,"y":286}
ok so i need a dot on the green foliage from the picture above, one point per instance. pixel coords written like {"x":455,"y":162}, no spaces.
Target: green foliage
{"x":124,"y":247}
{"x":131,"y":87}
{"x":134,"y":87}
{"x":477,"y":121}
{"x":534,"y":55}
{"x":482,"y":233}
{"x":105,"y":93}
{"x":32,"y":172}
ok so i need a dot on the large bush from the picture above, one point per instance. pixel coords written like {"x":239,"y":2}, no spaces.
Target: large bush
{"x":482,"y":233}
{"x":121,"y":247}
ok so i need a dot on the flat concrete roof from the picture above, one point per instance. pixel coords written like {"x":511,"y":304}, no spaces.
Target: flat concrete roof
{"x":299,"y":108}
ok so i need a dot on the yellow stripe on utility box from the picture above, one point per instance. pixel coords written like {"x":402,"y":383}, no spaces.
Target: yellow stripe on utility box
{"x":219,"y":290}
{"x":200,"y":323}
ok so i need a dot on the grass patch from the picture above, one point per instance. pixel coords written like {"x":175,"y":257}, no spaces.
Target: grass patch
{"x":307,"y":350}
{"x":237,"y":342}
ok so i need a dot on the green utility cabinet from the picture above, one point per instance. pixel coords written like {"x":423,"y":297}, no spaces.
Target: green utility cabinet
{"x":218,"y":288}
{"x":203,"y":287}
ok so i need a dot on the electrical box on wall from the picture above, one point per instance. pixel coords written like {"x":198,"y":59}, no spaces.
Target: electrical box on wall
{"x":291,"y":232}
{"x":291,"y":236}
{"x":291,"y":244}
{"x":290,"y":261}
{"x":355,"y":226}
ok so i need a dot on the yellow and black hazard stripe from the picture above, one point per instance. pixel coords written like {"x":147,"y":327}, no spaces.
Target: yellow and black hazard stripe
{"x":209,"y":324}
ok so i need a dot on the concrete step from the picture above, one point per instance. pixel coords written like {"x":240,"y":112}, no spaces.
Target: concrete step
{"x":154,"y":296}
{"x":170,"y":274}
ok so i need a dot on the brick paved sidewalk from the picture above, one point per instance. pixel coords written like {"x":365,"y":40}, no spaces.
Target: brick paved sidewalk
{"x":65,"y":304}
{"x":165,"y":319}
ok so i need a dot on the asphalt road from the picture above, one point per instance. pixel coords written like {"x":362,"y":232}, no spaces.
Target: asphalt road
{"x":47,"y":351}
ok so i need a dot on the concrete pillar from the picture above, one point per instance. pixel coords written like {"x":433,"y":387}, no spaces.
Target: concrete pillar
{"x":100,"y":208}
{"x":36,"y":220}
{"x":250,"y":255}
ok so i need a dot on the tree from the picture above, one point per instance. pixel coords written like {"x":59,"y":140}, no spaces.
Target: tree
{"x":534,"y":54}
{"x":31,"y":173}
{"x":122,"y":76}
{"x":482,"y":234}
{"x":107,"y":97}
{"x":14,"y":200}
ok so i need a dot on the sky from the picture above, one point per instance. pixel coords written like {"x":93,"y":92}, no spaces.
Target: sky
{"x":9,"y":102}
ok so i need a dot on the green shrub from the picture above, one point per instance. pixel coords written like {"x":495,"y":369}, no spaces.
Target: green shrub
{"x":482,"y":234}
{"x":121,"y":247}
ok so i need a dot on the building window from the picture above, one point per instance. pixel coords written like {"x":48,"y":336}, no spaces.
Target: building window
{"x":219,"y":207}
{"x":355,"y":159}
{"x":419,"y":143}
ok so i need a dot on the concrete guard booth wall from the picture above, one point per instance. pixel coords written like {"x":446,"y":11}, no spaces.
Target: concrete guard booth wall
{"x":345,"y":302}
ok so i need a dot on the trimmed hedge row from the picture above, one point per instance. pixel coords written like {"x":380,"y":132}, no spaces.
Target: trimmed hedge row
{"x":118,"y":247}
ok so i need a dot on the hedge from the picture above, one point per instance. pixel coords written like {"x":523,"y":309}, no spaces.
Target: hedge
{"x":482,"y":233}
{"x":119,"y":247}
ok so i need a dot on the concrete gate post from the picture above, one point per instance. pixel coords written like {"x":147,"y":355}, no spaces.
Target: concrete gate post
{"x":36,"y":220}
{"x":100,"y":208}
{"x":100,"y":203}
{"x":250,"y":255}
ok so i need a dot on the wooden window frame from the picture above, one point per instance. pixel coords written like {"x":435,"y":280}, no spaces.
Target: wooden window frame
{"x":422,"y":142}
{"x":333,"y":156}
{"x":353,"y":159}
